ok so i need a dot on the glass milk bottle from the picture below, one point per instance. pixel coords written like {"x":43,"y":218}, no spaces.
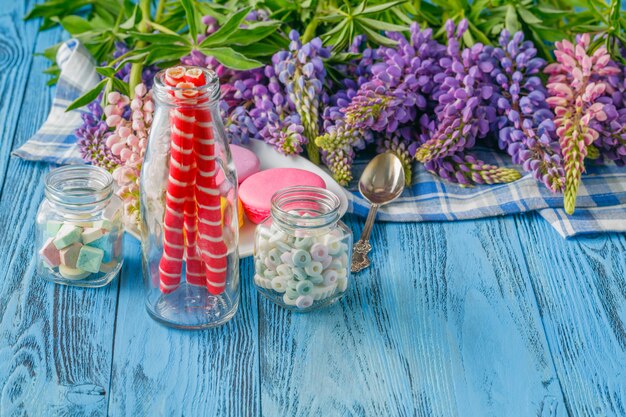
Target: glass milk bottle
{"x":188,"y":205}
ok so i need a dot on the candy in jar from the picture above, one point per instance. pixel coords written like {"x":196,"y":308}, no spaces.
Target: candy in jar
{"x":303,"y":251}
{"x":79,"y":227}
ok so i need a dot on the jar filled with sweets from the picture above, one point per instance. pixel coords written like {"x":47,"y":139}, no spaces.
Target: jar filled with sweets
{"x":190,"y":225}
{"x":302,"y":252}
{"x":79,"y":227}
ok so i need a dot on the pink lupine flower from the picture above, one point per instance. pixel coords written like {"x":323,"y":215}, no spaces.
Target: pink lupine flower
{"x":576,"y":83}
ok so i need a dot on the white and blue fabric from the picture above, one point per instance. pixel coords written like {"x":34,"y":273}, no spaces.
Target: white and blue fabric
{"x":601,"y":204}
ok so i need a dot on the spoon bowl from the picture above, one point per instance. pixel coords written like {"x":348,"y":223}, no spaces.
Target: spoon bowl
{"x":381,"y":182}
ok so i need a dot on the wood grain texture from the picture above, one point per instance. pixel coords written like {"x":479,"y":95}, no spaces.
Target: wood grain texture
{"x":444,"y":324}
{"x":581,"y":288}
{"x":158,"y":371}
{"x":499,"y":317}
{"x":55,"y":342}
{"x":17,"y":44}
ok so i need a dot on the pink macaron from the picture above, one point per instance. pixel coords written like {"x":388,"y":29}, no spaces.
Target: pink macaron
{"x":246,"y":163}
{"x":256,"y":192}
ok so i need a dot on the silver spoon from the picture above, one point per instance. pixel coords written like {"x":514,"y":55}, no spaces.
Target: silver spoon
{"x":381,"y":182}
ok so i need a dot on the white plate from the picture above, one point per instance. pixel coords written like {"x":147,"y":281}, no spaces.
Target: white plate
{"x":272,"y":159}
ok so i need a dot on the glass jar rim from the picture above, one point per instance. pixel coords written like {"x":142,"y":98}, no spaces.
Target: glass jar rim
{"x":206,"y":94}
{"x":97,"y":187}
{"x":326,"y":199}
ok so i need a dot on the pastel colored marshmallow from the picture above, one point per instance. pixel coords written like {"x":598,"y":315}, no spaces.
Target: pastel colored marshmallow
{"x":69,"y":255}
{"x":257,"y":190}
{"x":103,"y":224}
{"x":90,"y":259}
{"x":72,"y":273}
{"x":91,"y":234}
{"x":67,"y":234}
{"x":52,"y":227}
{"x":105,"y":244}
{"x":50,"y":254}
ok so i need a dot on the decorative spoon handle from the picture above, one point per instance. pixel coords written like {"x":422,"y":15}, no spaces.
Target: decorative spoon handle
{"x":361,"y":248}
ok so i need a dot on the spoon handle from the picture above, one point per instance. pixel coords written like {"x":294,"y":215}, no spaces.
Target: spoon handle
{"x":360,"y":259}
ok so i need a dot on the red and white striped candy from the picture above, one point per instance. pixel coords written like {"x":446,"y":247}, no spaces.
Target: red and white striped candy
{"x":210,"y":239}
{"x":179,"y":183}
{"x":210,"y":236}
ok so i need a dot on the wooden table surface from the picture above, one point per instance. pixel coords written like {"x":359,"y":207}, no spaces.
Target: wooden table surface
{"x":498,"y":317}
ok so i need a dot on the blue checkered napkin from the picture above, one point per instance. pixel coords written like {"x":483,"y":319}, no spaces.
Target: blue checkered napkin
{"x":601,"y":203}
{"x":55,"y":142}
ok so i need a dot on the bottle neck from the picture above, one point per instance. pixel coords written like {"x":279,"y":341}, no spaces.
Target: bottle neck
{"x":303,"y":207}
{"x":172,"y":87}
{"x":79,"y":188}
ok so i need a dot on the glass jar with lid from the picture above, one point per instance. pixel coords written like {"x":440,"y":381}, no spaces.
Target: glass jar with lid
{"x":302,"y":252}
{"x":79,"y":227}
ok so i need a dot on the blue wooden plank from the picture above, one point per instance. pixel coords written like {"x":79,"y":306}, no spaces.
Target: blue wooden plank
{"x":581,"y":288}
{"x":55,"y":343}
{"x":445,"y":323}
{"x":17,"y":44}
{"x":158,"y":371}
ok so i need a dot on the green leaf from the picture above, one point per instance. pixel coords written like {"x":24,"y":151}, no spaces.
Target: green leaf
{"x":191,"y":14}
{"x":160,"y":38}
{"x":262,"y":49}
{"x":511,"y":22}
{"x":253,"y":34}
{"x":380,"y":25}
{"x":120,"y":86}
{"x":158,"y":53}
{"x":75,"y":25}
{"x":222,"y":35}
{"x":528,"y":17}
{"x":107,"y":72}
{"x":376,"y":37}
{"x":88,"y":97}
{"x":382,"y":7}
{"x":133,"y":20}
{"x":545,"y":9}
{"x":232,"y":59}
{"x":56,"y":8}
{"x":50,"y":53}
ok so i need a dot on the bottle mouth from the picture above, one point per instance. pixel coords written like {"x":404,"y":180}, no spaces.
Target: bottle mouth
{"x":78,"y":186}
{"x":186,"y":86}
{"x":305,"y":207}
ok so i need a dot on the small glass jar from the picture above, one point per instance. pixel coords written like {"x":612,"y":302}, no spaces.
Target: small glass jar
{"x":302,"y":252}
{"x":79,"y":227}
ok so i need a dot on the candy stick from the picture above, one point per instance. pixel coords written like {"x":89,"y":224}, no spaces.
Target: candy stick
{"x":170,"y":266}
{"x":210,"y":238}
{"x":194,"y":265}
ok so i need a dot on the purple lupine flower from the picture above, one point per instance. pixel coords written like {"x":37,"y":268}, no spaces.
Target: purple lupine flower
{"x":399,"y":144}
{"x":467,"y":170}
{"x":525,"y":127}
{"x":301,"y":70}
{"x":401,"y":83}
{"x":576,"y":83}
{"x":92,"y":136}
{"x":339,"y":141}
{"x":464,"y":94}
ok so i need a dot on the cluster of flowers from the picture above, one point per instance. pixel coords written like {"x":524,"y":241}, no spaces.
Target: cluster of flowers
{"x":115,"y":137}
{"x":480,"y":93}
{"x":421,"y":99}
